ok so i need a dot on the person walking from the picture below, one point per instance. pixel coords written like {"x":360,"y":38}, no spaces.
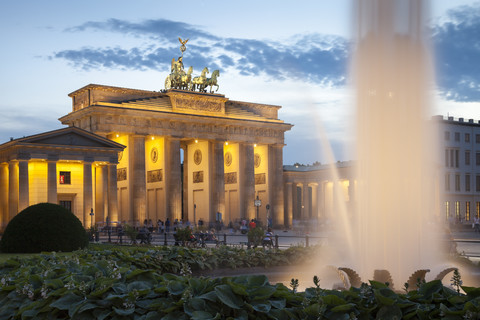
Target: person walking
{"x":476,"y":224}
{"x":167,"y":225}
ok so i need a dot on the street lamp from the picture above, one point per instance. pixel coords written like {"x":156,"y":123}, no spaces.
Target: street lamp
{"x":91,"y":215}
{"x":194,"y":215}
{"x":257,"y":204}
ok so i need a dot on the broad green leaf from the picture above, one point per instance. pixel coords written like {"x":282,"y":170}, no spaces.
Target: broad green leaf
{"x":124,"y":312}
{"x":428,"y":289}
{"x":228,"y":297}
{"x":389,"y":313}
{"x":278,"y":303}
{"x":344,"y":307}
{"x":261,"y":306}
{"x":211,"y":296}
{"x":201,"y":315}
{"x":377,"y":285}
{"x":176,"y":287}
{"x":261,"y":293}
{"x":139,"y":286}
{"x":472,"y":292}
{"x":65,"y":302}
{"x":332,"y":300}
{"x":385,"y":296}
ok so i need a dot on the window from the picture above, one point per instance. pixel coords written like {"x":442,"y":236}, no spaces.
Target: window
{"x":477,"y":183}
{"x":447,"y":181}
{"x":447,"y":135}
{"x":457,"y":210}
{"x":477,"y":211}
{"x":452,"y":160}
{"x":467,"y":182}
{"x":477,"y":138}
{"x":457,"y":182}
{"x":467,"y":157}
{"x":447,"y":210}
{"x":477,"y":158}
{"x":66,"y":204}
{"x":467,"y":210}
{"x":467,"y":137}
{"x":65,"y":177}
{"x":457,"y":136}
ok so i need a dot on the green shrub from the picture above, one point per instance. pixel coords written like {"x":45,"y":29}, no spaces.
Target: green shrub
{"x":44,"y":227}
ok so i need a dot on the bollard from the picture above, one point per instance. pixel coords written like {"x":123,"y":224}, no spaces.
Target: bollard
{"x":165,"y":237}
{"x":306,"y":240}
{"x":276,"y":241}
{"x":225,"y":239}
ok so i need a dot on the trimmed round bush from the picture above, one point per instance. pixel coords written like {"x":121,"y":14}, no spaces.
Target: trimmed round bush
{"x":44,"y":227}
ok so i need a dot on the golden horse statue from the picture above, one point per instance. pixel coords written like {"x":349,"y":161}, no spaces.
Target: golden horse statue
{"x":200,"y":82}
{"x":186,"y":80}
{"x":213,"y":81}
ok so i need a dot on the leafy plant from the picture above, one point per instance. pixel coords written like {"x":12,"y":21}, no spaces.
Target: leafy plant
{"x":456,"y":280}
{"x":255,"y":236}
{"x":131,"y":232}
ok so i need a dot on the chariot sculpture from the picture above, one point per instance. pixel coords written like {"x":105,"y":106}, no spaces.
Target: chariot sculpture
{"x":179,"y":79}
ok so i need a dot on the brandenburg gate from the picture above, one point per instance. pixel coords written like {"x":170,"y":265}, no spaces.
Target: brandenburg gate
{"x":231,"y":151}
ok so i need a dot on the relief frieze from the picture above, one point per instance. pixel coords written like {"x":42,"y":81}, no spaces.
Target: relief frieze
{"x":198,"y":104}
{"x":197,"y":176}
{"x":121,"y":174}
{"x":260,"y":178}
{"x":230,"y":178}
{"x":155,"y":175}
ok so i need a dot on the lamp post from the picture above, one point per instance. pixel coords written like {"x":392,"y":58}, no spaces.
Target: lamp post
{"x":108,"y":229}
{"x":91,"y":215}
{"x":194,"y":215}
{"x":257,"y":204}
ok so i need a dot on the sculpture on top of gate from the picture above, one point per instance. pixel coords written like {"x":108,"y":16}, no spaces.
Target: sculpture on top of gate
{"x":179,"y":79}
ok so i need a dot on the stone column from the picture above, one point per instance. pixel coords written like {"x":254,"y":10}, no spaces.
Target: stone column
{"x":314,"y":187}
{"x":101,"y":183}
{"x":3,"y":195}
{"x":112,"y":192}
{"x":23,"y":187}
{"x":52,"y":179}
{"x":12,"y":189}
{"x":321,"y":200}
{"x":275,"y":181}
{"x":288,"y":204}
{"x":306,"y":202}
{"x":185,"y":213}
{"x":173,"y":178}
{"x":295,"y":214}
{"x":248,"y":176}
{"x":87,"y":193}
{"x":137,"y":178}
{"x":218,"y":179}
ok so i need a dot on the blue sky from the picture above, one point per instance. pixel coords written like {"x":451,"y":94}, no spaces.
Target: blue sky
{"x":276,"y":52}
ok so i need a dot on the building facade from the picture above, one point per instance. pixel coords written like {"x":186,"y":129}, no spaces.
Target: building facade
{"x":69,"y":166}
{"x":459,"y":158}
{"x":189,"y":155}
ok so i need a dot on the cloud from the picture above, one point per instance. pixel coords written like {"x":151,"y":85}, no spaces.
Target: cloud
{"x":457,"y":47}
{"x":314,"y":58}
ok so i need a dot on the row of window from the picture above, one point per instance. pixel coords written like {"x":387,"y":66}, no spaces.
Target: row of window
{"x":467,"y":187}
{"x":452,"y":159}
{"x":461,"y":216}
{"x":457,"y":137}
